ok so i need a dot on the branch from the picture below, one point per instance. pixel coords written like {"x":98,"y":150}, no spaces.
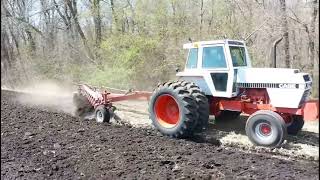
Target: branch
{"x":257,"y":29}
{"x":297,"y":19}
{"x":29,"y":25}
{"x":51,"y":7}
{"x":61,"y":15}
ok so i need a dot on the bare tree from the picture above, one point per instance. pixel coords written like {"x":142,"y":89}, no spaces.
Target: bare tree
{"x":133,"y":14}
{"x":114,"y":16}
{"x":285,"y":33}
{"x":201,"y":19}
{"x":72,"y":4}
{"x":313,"y":59}
{"x":95,"y":9}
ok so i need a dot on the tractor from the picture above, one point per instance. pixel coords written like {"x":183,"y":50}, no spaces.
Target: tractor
{"x":218,"y":80}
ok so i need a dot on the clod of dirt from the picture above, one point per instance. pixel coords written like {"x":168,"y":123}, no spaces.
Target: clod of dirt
{"x":176,"y":168}
{"x":56,"y":146}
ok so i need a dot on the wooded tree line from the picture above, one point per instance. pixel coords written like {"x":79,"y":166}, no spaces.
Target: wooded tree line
{"x":137,"y":43}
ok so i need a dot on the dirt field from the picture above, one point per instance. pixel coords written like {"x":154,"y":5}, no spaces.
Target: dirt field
{"x":41,"y":143}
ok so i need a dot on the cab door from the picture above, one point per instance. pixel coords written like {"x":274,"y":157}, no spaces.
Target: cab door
{"x":218,"y":74}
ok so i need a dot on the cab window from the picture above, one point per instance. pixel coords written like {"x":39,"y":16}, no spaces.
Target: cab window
{"x":238,"y":55}
{"x":213,"y":57}
{"x":192,"y":58}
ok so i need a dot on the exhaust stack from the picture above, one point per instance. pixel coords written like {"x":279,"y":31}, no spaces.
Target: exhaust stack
{"x":275,"y":43}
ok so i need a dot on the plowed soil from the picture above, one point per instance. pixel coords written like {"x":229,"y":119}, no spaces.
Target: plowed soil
{"x":37,"y":143}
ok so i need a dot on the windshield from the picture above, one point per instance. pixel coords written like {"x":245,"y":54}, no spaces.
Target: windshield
{"x":238,"y":55}
{"x":213,"y":57}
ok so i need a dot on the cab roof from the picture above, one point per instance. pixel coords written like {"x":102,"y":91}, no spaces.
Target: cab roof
{"x":202,"y":43}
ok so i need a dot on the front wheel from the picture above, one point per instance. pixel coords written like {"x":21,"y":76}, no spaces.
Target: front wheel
{"x":266,"y":128}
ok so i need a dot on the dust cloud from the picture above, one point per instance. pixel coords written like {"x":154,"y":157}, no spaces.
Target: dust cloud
{"x":51,"y":95}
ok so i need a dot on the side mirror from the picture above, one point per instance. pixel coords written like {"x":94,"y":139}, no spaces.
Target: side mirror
{"x":177,"y":68}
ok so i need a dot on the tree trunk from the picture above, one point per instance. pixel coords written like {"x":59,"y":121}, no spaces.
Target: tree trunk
{"x":97,"y":21}
{"x":31,"y":42}
{"x":133,"y":15}
{"x":115,"y":17}
{"x":312,"y":49}
{"x":73,"y":9}
{"x":285,"y":33}
{"x":201,"y":19}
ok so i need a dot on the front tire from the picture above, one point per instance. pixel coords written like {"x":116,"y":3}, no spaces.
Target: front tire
{"x":266,"y":128}
{"x":173,"y":110}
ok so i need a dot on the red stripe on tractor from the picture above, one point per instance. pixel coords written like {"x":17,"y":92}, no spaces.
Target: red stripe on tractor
{"x":309,"y":111}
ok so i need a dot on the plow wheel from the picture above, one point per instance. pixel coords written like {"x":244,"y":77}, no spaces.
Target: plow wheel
{"x":102,"y":114}
{"x":82,"y":105}
{"x":173,"y":110}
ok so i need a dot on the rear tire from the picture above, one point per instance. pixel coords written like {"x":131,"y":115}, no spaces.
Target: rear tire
{"x":173,"y":110}
{"x":203,"y":106}
{"x":266,"y":128}
{"x":296,"y":125}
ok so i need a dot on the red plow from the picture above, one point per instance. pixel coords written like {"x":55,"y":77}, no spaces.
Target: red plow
{"x":90,"y":98}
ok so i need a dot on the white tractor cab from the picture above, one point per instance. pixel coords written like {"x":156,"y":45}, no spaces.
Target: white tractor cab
{"x":222,"y":68}
{"x":218,"y":79}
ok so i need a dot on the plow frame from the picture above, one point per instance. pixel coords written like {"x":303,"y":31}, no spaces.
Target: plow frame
{"x":98,"y":97}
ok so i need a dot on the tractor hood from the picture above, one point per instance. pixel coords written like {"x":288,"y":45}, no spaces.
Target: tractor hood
{"x":286,"y":88}
{"x":271,"y":75}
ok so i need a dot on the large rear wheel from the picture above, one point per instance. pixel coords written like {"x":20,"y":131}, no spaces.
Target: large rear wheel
{"x":203,"y":106}
{"x":173,"y":110}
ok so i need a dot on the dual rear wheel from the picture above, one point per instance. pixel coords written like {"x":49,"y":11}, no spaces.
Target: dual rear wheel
{"x":179,"y":109}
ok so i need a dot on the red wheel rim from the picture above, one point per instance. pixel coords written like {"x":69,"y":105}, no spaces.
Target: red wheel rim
{"x":167,"y":110}
{"x":265,"y":129}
